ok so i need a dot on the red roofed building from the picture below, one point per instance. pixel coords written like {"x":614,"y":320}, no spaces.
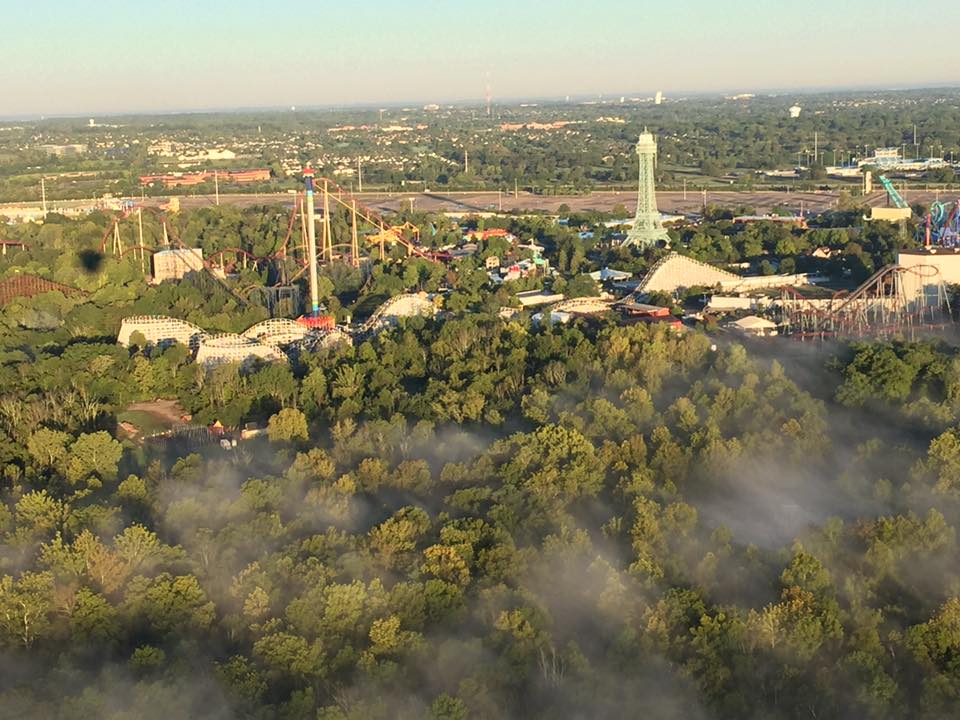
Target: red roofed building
{"x":247,"y":176}
{"x":491,"y":233}
{"x":182,"y":179}
{"x":641,"y":312}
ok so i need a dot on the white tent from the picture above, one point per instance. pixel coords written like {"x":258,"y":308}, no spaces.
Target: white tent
{"x":605,"y":274}
{"x":753,"y":325}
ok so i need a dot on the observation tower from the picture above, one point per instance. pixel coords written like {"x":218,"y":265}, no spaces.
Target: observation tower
{"x":647,"y":229}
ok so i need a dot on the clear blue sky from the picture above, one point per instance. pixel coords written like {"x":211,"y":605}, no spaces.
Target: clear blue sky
{"x":96,"y":56}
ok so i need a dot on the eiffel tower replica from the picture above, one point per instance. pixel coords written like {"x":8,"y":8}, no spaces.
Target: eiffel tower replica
{"x":647,"y":229}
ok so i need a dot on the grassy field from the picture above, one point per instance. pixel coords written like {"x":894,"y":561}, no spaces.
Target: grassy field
{"x":152,"y":416}
{"x":147,"y":423}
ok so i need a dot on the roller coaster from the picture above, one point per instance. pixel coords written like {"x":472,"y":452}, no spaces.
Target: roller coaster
{"x":139,"y":248}
{"x":269,"y":340}
{"x":4,"y":244}
{"x":27,"y":285}
{"x":369,"y":231}
{"x":892,"y":193}
{"x":894,"y":300}
{"x":942,"y":225}
{"x":277,"y":331}
{"x":219,"y":263}
{"x":584,"y":305}
{"x":405,"y":305}
{"x":369,"y":238}
{"x":381,"y":234}
{"x":939,"y":227}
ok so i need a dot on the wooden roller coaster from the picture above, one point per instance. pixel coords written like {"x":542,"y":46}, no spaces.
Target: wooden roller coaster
{"x":25,"y":285}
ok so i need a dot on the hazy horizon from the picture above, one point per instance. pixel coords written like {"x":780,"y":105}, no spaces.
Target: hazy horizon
{"x":796,"y":93}
{"x":115,"y":58}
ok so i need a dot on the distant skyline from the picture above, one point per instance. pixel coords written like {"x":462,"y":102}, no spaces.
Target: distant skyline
{"x":113,"y":56}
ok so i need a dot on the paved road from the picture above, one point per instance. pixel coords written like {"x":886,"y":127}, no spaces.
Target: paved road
{"x":668,"y":201}
{"x":762,"y":201}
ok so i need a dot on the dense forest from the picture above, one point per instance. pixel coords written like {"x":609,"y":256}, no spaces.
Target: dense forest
{"x":471,"y":517}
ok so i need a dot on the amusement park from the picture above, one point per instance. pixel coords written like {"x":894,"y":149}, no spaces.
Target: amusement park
{"x":301,"y":254}
{"x":479,"y":361}
{"x":942,"y":225}
{"x":325,"y":228}
{"x":908,"y":296}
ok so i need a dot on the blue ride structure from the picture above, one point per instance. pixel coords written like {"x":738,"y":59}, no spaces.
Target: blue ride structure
{"x":942,"y":225}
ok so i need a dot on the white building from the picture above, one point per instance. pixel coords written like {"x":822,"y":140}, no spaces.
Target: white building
{"x":174,"y":264}
{"x":604,"y":274}
{"x":531,"y":298}
{"x":928,"y":270}
{"x":754,"y":325}
{"x":729,"y":303}
{"x":209,"y":155}
{"x":551,"y":317}
{"x":64,"y":150}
